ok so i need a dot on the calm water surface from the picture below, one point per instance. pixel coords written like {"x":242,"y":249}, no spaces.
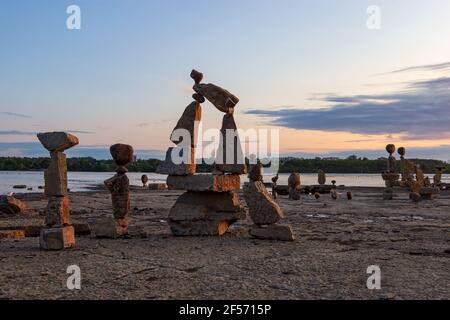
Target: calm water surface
{"x":81,"y":181}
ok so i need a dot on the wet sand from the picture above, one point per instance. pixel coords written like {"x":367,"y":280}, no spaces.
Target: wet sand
{"x":336,"y":242}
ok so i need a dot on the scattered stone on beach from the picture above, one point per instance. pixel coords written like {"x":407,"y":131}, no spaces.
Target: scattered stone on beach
{"x":317,"y":195}
{"x":429,"y":193}
{"x":272,"y":232}
{"x":58,"y":233}
{"x":205,"y":213}
{"x":388,"y":194}
{"x":11,"y":205}
{"x":57,"y":213}
{"x":110,"y":228}
{"x":57,"y":238}
{"x":294,"y":184}
{"x":349,"y":195}
{"x":415,"y":197}
{"x":222,"y":99}
{"x":57,"y":141}
{"x":157,"y":186}
{"x":262,"y":209}
{"x":334,"y":194}
{"x":12,"y":234}
{"x":144,"y":180}
{"x":230,"y":158}
{"x":186,"y":166}
{"x":55,"y":175}
{"x":321,"y":177}
{"x":204,"y":182}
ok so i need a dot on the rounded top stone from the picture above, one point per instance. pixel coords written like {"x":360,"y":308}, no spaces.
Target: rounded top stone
{"x":294,"y":180}
{"x":57,"y":141}
{"x":122,"y":154}
{"x":401,"y":151}
{"x":197,"y":76}
{"x":390,"y":148}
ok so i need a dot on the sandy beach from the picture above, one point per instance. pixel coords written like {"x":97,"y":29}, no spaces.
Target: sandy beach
{"x":336,"y":242}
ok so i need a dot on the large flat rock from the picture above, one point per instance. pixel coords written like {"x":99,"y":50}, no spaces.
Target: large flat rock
{"x":204,"y":182}
{"x":57,"y":141}
{"x":205,"y":213}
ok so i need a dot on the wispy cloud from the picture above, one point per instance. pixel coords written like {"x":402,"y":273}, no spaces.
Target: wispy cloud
{"x":143,"y":124}
{"x":16,"y":133}
{"x":420,"y":111}
{"x":426,"y":67}
{"x":32,"y":133}
{"x":14,"y":114}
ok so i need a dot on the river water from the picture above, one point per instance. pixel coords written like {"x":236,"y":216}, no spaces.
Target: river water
{"x":82,"y":181}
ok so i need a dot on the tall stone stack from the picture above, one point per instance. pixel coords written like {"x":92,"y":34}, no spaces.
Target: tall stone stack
{"x":58,"y":232}
{"x":210,"y":204}
{"x":119,"y":186}
{"x":391,"y":177}
{"x":263,"y":210}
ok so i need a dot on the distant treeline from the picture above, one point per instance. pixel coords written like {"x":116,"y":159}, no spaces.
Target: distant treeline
{"x":352,"y":164}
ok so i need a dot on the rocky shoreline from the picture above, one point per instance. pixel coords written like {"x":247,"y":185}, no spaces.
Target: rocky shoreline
{"x":337,"y":240}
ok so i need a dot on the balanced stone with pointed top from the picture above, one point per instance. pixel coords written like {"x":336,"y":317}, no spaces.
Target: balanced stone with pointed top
{"x":230,"y":158}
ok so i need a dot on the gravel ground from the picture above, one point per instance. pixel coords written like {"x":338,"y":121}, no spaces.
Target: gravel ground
{"x":336,"y":242}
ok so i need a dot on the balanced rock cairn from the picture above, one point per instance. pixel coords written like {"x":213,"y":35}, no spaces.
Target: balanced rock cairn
{"x":421,"y":185}
{"x":295,"y":185}
{"x":210,"y":205}
{"x":119,"y":186}
{"x":263,"y":210}
{"x":58,"y":233}
{"x":390,"y":176}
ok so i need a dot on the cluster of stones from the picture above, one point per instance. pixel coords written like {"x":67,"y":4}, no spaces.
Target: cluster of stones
{"x":412,"y":178}
{"x":11,"y":205}
{"x":119,"y":186}
{"x":58,"y":233}
{"x":263,"y":210}
{"x":210,"y":204}
{"x":322,"y":187}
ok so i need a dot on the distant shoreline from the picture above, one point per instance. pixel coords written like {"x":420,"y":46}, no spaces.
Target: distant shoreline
{"x":350,"y":165}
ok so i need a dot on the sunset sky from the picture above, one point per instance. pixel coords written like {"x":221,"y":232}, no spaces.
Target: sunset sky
{"x":312,"y":69}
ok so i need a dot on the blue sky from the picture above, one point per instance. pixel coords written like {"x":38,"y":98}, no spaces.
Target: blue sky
{"x":124,"y":77}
